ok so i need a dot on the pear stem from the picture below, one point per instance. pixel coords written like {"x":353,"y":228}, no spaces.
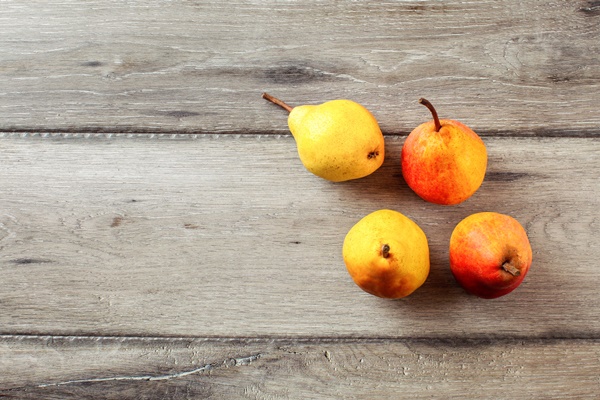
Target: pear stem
{"x":275,"y":100}
{"x":436,"y":120}
{"x":385,"y":250}
{"x":508,"y":267}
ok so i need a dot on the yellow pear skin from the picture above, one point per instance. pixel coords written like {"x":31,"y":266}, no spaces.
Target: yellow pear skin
{"x":338,"y":140}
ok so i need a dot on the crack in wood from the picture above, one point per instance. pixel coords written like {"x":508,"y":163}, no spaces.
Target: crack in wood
{"x":229,"y":362}
{"x":591,"y":9}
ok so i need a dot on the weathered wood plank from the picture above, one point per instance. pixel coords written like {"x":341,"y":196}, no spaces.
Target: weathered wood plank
{"x":525,"y":67}
{"x":173,"y":369}
{"x":208,"y":237}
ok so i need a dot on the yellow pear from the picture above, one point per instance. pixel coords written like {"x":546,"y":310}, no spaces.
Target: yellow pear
{"x":338,"y":140}
{"x":387,"y":254}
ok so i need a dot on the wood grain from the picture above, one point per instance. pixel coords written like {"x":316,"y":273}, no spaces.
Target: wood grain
{"x":177,"y":369}
{"x":229,"y":236}
{"x":159,"y":237}
{"x":520,"y":68}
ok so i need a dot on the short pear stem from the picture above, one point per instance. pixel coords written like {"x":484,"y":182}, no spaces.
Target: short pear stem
{"x":508,"y":267}
{"x":275,"y":100}
{"x":436,"y":120}
{"x":385,"y":250}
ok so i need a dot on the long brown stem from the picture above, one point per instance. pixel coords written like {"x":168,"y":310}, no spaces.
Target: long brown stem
{"x":508,"y":267}
{"x":436,"y":120}
{"x":275,"y":100}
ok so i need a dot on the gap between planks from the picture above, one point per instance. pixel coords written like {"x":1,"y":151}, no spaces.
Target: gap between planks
{"x":468,"y":341}
{"x":100,"y":132}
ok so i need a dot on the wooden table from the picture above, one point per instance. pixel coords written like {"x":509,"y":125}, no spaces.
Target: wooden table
{"x":159,"y":237}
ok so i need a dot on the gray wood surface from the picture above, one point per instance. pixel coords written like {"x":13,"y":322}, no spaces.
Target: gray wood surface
{"x":231,"y":236}
{"x":528,"y":67}
{"x":159,"y":237}
{"x":273,"y":369}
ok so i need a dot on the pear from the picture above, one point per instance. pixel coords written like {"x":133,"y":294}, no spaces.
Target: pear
{"x":443,"y":161}
{"x":387,"y":254}
{"x":338,"y":140}
{"x":490,"y":254}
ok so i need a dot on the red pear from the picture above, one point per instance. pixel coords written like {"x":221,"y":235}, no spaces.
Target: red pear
{"x":443,"y":161}
{"x":490,"y":254}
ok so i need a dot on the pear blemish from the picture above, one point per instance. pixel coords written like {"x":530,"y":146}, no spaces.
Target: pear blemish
{"x":373,"y":154}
